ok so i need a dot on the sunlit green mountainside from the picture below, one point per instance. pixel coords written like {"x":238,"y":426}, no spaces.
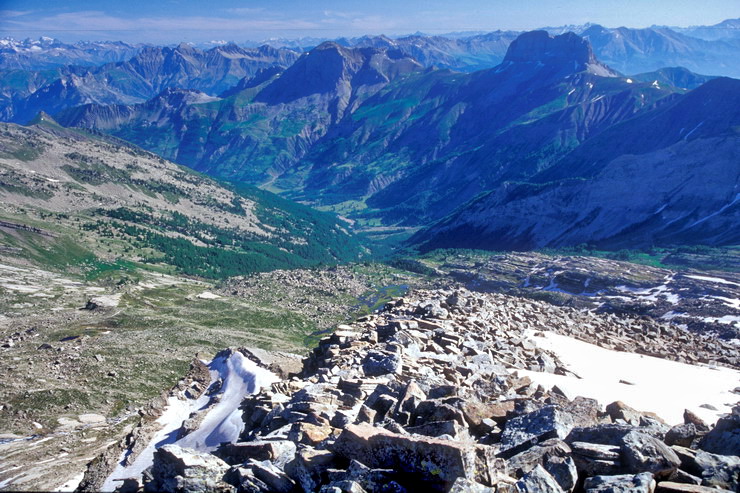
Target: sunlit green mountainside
{"x":378,"y":138}
{"x":93,"y":203}
{"x":668,"y":176}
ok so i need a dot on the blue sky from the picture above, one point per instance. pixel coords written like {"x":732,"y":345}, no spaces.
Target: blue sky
{"x":172,"y":21}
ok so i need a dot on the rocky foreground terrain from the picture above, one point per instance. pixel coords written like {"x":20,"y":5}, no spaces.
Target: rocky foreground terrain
{"x":699,"y":300}
{"x":430,"y":394}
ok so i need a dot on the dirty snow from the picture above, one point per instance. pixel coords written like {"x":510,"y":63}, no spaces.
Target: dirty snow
{"x":651,"y":294}
{"x":223,"y":422}
{"x":660,"y":386}
{"x":72,"y":484}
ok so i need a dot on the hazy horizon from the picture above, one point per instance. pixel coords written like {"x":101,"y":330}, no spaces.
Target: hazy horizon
{"x":174,"y":21}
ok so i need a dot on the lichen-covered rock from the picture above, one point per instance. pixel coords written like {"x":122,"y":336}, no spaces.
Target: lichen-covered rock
{"x":554,"y":456}
{"x":464,"y":485}
{"x":683,"y":435}
{"x":724,"y":439}
{"x":643,"y":453}
{"x":367,"y":478}
{"x":272,"y":476}
{"x":278,"y":451}
{"x":182,"y":470}
{"x":671,"y":487}
{"x":719,"y":471}
{"x":538,"y":480}
{"x":437,"y":463}
{"x":307,"y":467}
{"x":378,"y":363}
{"x":524,"y":431}
{"x":594,"y":459}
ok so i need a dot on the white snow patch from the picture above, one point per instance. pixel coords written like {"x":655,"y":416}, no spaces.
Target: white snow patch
{"x":671,"y":315}
{"x":693,"y":130}
{"x":72,"y":484}
{"x":724,"y":208}
{"x":712,"y":279}
{"x":207,"y":295}
{"x":651,"y":294}
{"x":628,"y":81}
{"x":733,"y":302}
{"x":727,"y":319}
{"x":660,"y":386}
{"x":222,"y":423}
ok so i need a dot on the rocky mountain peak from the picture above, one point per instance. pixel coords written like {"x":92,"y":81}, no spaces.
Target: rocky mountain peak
{"x":539,"y":46}
{"x":565,"y":49}
{"x":43,"y":117}
{"x":330,"y":66}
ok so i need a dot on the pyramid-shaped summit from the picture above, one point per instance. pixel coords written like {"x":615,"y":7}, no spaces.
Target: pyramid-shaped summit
{"x":43,"y":117}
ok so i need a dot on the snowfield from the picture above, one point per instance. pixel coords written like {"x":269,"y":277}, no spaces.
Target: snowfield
{"x":653,"y":384}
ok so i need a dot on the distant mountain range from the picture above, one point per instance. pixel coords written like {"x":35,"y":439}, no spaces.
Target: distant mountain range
{"x":356,"y":125}
{"x":48,"y":53}
{"x":373,"y":133}
{"x":150,"y":71}
{"x":643,"y":50}
{"x":48,"y":75}
{"x":727,"y":29}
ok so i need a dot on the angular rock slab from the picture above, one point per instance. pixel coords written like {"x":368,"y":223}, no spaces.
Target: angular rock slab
{"x":538,"y":480}
{"x":671,"y":487}
{"x":724,"y":439}
{"x":438,"y":463}
{"x":554,"y":456}
{"x":177,"y":469}
{"x":524,"y":431}
{"x":624,"y":483}
{"x":644,"y":453}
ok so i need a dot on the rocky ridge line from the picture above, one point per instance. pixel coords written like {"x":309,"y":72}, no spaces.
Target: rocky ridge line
{"x":422,"y":397}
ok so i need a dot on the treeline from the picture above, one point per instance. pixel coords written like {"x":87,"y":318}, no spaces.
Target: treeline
{"x":301,"y":238}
